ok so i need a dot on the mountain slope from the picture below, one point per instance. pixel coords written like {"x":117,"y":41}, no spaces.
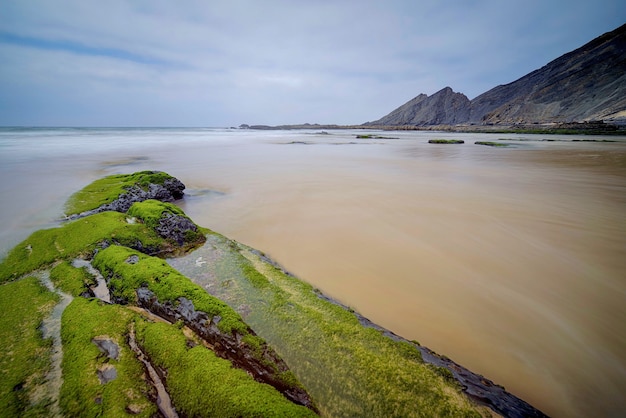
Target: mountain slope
{"x":442,"y":108}
{"x":586,"y":84}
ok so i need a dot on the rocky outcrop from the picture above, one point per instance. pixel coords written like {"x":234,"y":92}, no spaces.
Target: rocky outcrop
{"x":442,"y":108}
{"x":175,"y":227}
{"x":586,"y":84}
{"x":170,"y":190}
{"x":261,"y":362}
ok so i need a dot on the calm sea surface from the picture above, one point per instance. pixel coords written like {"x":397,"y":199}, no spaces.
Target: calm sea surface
{"x":511,"y":261}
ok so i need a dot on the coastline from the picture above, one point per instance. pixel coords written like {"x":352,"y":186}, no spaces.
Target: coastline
{"x":570,"y":128}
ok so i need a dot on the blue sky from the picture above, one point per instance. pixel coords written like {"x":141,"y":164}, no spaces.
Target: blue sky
{"x":223,"y":63}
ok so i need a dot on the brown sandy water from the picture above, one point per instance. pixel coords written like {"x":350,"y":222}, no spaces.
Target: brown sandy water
{"x":510,"y":261}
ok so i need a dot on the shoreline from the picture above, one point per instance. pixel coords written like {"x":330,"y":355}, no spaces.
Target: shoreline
{"x":570,"y":128}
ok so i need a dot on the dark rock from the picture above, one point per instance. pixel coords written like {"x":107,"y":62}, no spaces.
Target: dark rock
{"x":108,"y":347}
{"x":261,"y":363}
{"x":175,"y":227}
{"x":107,"y":373}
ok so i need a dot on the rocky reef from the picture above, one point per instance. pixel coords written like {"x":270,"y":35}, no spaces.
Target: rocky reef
{"x":217,"y":330}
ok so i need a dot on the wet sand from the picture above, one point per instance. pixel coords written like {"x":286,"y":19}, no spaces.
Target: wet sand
{"x":508,"y":260}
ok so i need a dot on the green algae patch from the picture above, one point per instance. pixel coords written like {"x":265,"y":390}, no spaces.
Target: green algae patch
{"x":72,"y":280}
{"x":77,"y":238}
{"x":202,"y":384}
{"x":107,"y":189}
{"x":348,"y":368}
{"x":84,"y":392}
{"x":446,"y":141}
{"x":491,"y":144}
{"x":25,"y":356}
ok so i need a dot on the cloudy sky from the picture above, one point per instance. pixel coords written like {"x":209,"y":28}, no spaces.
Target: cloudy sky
{"x":223,"y":63}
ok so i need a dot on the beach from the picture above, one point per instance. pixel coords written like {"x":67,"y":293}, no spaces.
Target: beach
{"x":508,"y":260}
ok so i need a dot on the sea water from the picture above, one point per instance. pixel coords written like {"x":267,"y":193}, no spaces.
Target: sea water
{"x":508,"y":260}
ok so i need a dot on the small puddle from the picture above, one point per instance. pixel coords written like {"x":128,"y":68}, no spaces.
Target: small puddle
{"x":51,"y":328}
{"x":101,"y":291}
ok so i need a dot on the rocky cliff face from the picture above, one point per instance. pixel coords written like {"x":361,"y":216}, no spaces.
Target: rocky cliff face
{"x":586,"y":84}
{"x":442,"y":108}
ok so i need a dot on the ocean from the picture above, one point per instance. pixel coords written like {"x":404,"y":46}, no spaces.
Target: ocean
{"x":509,"y":260}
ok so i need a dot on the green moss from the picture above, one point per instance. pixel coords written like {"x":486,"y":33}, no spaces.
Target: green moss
{"x":446,"y":141}
{"x":164,"y":281}
{"x":80,"y":237}
{"x":69,"y":279}
{"x":151,"y":211}
{"x":109,"y":188}
{"x":25,"y":355}
{"x":491,"y":144}
{"x":82,"y":394}
{"x":201,"y":384}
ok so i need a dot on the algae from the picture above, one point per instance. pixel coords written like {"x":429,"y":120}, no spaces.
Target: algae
{"x":491,"y":144}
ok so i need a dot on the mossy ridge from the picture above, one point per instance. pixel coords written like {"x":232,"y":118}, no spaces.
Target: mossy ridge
{"x":168,"y":284}
{"x":25,"y":356}
{"x":72,"y":280}
{"x":82,"y":394}
{"x":107,"y":189}
{"x":202,"y":384}
{"x":151,"y":211}
{"x":77,"y":238}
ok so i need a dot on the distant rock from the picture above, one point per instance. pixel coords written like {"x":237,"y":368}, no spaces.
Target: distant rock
{"x":442,"y":108}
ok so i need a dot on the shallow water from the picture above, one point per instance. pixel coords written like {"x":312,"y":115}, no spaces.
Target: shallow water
{"x":508,"y":260}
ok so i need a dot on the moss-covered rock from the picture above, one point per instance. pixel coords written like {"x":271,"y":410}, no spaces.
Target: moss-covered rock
{"x":118,"y":192}
{"x":169,"y":221}
{"x":153,"y":284}
{"x":79,"y":238}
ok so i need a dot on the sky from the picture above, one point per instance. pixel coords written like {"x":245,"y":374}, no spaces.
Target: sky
{"x":224,"y":63}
